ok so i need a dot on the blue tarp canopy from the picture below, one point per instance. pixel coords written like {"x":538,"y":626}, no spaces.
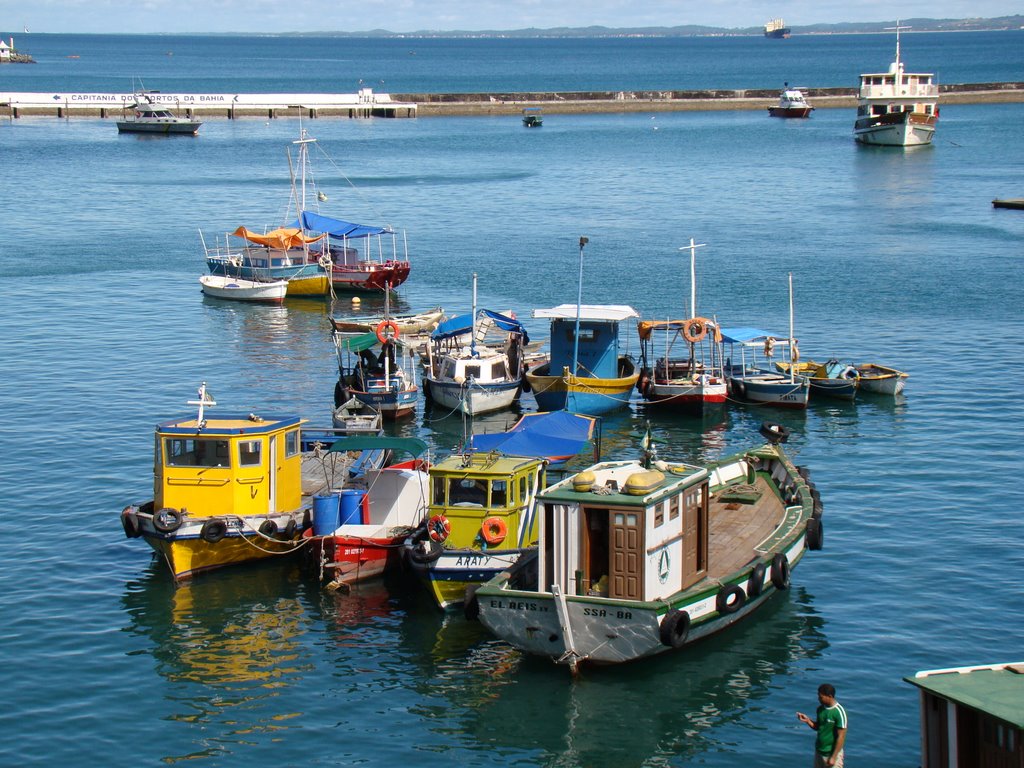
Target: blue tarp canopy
{"x":747,"y":335}
{"x":463,"y":324}
{"x":314,"y":222}
{"x":557,"y":436}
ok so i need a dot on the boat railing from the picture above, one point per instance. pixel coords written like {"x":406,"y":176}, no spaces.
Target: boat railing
{"x":909,"y":91}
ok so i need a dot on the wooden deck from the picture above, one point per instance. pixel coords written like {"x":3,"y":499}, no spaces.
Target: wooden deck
{"x":736,"y":528}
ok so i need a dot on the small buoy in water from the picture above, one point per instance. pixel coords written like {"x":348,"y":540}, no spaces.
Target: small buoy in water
{"x":356,"y":300}
{"x":321,"y":197}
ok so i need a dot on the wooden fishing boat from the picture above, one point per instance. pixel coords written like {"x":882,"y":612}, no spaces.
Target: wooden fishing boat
{"x":681,"y":360}
{"x":234,"y":488}
{"x":897,"y":108}
{"x":590,"y":377}
{"x":354,"y":417}
{"x":751,"y":370}
{"x":792,"y":103}
{"x":830,"y":379}
{"x":880,"y":379}
{"x":480,"y":522}
{"x":238,"y":289}
{"x":408,"y":324}
{"x":483,"y":375}
{"x":384,"y":381}
{"x":635,"y":558}
{"x":357,"y":531}
{"x":316,"y":254}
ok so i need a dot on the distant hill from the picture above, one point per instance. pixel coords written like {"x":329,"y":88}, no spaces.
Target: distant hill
{"x":695,"y":30}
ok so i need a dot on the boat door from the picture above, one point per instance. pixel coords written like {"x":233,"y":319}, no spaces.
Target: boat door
{"x":612,"y":553}
{"x":272,"y":469}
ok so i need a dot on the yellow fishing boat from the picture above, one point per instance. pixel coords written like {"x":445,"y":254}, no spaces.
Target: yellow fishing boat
{"x":230,"y":489}
{"x":480,"y":521}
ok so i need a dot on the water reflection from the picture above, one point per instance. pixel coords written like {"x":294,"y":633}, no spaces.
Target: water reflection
{"x":648,"y":712}
{"x":227,"y":645}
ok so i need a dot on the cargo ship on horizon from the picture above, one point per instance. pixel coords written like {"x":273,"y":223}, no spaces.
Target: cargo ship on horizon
{"x":776,"y":28}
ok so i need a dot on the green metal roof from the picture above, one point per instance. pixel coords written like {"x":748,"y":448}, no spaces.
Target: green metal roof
{"x":996,"y":690}
{"x":411,"y":445}
{"x":357,"y":343}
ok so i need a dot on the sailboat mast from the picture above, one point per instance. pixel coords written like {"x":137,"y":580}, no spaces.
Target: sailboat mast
{"x":792,"y":365}
{"x":472,"y":339}
{"x":579,"y":302}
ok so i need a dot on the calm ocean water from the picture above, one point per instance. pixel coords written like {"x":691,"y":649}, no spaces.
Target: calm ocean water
{"x":898,"y":257}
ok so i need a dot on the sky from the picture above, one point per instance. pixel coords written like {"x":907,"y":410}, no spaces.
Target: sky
{"x":239,"y":16}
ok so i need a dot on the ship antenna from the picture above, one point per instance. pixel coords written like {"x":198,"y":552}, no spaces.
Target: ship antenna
{"x":205,"y":399}
{"x":899,"y":66}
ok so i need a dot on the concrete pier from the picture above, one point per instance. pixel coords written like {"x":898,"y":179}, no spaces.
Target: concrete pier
{"x":366,"y":103}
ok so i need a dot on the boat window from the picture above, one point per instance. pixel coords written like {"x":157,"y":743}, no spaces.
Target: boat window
{"x":631,"y":520}
{"x":467,"y":492}
{"x":499,"y":493}
{"x":473,"y":370}
{"x":498,"y":369}
{"x":586,"y":334}
{"x":659,"y":514}
{"x":673,"y":507}
{"x":620,"y":518}
{"x":448,"y":371}
{"x":193,"y":452}
{"x":439,"y":486}
{"x":291,"y":443}
{"x":250,"y":453}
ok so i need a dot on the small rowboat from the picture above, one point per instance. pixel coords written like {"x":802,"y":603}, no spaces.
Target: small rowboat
{"x":407,"y":324}
{"x":237,"y":289}
{"x":880,"y":379}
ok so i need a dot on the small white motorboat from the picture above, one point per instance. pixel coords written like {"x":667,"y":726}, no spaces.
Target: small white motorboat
{"x":237,"y":289}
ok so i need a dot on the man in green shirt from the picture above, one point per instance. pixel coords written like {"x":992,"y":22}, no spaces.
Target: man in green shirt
{"x":830,"y":724}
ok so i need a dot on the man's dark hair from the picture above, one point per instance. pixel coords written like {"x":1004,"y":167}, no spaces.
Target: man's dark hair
{"x":827,"y":690}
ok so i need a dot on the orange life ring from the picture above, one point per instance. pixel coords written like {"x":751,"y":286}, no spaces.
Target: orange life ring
{"x":439,"y":528}
{"x":695,"y":329}
{"x":494,"y":530}
{"x":382,"y":337}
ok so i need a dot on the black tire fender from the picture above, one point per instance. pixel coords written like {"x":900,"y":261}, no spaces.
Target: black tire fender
{"x":167,"y":520}
{"x":814,"y":535}
{"x":290,"y":528}
{"x":425,"y":552}
{"x":731,"y":598}
{"x":780,"y":571}
{"x":674,"y":628}
{"x":268,"y":528}
{"x":755,"y":584}
{"x":213,"y":530}
{"x":130,"y":523}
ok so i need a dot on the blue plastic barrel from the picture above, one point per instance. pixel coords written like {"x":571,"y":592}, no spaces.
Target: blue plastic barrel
{"x":352,"y":506}
{"x":325,"y":514}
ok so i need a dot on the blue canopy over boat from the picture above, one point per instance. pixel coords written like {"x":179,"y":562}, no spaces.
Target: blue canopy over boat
{"x":556,"y":436}
{"x":314,"y":222}
{"x":748,"y":335}
{"x":463,"y":324}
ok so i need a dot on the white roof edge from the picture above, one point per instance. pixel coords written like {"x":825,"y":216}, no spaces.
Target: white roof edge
{"x":608,"y":312}
{"x":966,"y":670}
